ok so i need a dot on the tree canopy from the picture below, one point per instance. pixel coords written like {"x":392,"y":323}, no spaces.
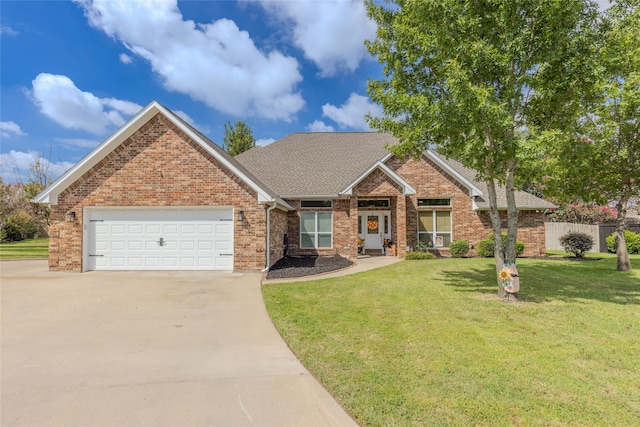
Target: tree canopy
{"x":237,"y":138}
{"x":481,"y":81}
{"x":600,"y":160}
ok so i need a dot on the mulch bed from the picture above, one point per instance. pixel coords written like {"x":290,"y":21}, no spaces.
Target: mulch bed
{"x":299,"y":266}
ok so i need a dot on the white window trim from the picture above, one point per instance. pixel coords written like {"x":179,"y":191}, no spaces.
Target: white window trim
{"x":315,"y":233}
{"x":433,"y":219}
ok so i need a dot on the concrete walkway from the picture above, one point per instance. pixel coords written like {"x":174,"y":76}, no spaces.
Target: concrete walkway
{"x":148,"y":349}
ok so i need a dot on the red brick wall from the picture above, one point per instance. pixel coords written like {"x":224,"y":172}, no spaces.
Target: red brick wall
{"x":158,"y":166}
{"x":431,"y":181}
{"x":278,"y":227}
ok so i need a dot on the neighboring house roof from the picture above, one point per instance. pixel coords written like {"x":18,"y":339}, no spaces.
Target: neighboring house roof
{"x":50,"y":194}
{"x":330,"y":164}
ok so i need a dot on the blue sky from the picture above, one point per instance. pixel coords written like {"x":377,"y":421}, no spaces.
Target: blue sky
{"x":72,"y":72}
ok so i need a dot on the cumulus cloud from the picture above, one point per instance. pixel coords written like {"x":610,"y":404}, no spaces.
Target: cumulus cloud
{"x":215,"y":63}
{"x":14,"y":165}
{"x":319,"y":126}
{"x":330,"y":33}
{"x":351,"y":113}
{"x":125,"y":59}
{"x":8,"y":129}
{"x":264,"y":141}
{"x":59,"y":99}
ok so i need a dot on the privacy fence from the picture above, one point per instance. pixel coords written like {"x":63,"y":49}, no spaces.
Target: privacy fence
{"x":599,"y":232}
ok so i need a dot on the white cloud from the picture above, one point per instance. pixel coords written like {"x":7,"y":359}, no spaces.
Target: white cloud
{"x":125,"y":59}
{"x":60,"y":99}
{"x":7,"y":129}
{"x":8,"y":31}
{"x":351,"y":113}
{"x":14,"y":166}
{"x":215,"y":63}
{"x":319,"y":126}
{"x":78,"y":142}
{"x":264,"y":141}
{"x":330,"y":33}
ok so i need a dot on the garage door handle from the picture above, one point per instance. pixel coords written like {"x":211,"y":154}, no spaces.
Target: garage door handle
{"x":226,"y":219}
{"x":96,"y":255}
{"x":226,"y":254}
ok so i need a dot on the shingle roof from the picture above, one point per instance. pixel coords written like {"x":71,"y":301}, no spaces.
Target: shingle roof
{"x":315,"y":164}
{"x":322,"y":164}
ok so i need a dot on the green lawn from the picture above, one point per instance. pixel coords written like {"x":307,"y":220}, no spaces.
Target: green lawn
{"x":428,"y":343}
{"x":26,"y":249}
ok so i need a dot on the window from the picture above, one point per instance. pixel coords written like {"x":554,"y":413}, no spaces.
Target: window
{"x":315,"y":230}
{"x":316,"y":203}
{"x":373,"y":203}
{"x":434,"y":202}
{"x":434,"y":228}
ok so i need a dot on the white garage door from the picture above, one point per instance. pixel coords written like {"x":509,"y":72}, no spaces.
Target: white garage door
{"x":160,"y":238}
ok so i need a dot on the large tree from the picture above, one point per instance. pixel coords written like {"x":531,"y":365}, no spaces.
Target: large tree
{"x":601,"y":161}
{"x":480,"y":80}
{"x":237,"y":138}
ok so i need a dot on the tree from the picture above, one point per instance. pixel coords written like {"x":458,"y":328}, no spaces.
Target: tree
{"x":238,"y":138}
{"x":481,"y":81}
{"x":600,"y":162}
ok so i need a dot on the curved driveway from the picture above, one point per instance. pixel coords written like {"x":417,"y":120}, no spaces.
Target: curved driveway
{"x":148,"y":349}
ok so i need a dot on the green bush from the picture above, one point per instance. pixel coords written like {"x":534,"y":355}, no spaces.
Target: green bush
{"x":632,"y":239}
{"x":486,"y":247}
{"x":459,"y":248}
{"x":418,"y":255}
{"x":576,"y":243}
{"x":422,"y":247}
{"x":19,"y":226}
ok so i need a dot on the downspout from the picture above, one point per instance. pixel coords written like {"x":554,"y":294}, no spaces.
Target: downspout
{"x":268,"y":247}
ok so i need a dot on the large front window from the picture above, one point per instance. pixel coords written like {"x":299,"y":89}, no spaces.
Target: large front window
{"x":434,"y":228}
{"x":315,"y":230}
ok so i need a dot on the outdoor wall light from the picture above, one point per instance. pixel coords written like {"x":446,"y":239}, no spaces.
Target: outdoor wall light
{"x":71,"y":216}
{"x":240,"y":216}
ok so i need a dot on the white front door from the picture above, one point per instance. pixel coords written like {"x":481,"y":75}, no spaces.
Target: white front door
{"x":375,"y":226}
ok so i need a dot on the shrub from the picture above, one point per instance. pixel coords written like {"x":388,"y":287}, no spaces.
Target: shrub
{"x":632,"y":239}
{"x":20,"y":226}
{"x":459,"y":248}
{"x":422,"y":247}
{"x":418,"y":255}
{"x":576,"y":243}
{"x":486,"y":247}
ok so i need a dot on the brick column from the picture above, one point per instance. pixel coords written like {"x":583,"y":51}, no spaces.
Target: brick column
{"x":401,"y":221}
{"x":353,"y":229}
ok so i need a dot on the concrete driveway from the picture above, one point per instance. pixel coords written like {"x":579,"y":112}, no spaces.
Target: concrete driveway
{"x":148,"y":349}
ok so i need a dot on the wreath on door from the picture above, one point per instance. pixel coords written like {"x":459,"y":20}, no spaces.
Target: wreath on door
{"x":372,"y":224}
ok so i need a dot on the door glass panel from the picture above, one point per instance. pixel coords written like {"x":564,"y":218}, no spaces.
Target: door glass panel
{"x":359,"y":224}
{"x":386,"y":224}
{"x":372,"y":224}
{"x":308,"y":222}
{"x":324,"y":222}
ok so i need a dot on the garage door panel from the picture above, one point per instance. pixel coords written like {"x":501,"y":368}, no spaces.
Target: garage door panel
{"x":129,"y":239}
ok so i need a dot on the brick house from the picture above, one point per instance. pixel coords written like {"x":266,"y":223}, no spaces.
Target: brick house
{"x":159,"y":195}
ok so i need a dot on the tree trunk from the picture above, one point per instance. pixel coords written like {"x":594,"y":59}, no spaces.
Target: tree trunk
{"x":496,"y":223}
{"x":512,"y":214}
{"x":624,"y":264}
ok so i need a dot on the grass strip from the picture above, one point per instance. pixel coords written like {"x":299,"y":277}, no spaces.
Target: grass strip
{"x":26,"y":249}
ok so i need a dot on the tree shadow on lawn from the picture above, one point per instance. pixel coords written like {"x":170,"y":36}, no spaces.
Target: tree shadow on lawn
{"x":540,"y":283}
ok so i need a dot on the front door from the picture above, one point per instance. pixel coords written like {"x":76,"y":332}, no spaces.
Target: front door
{"x":374,"y":228}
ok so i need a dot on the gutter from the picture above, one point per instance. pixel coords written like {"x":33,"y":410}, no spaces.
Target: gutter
{"x":268,"y":248}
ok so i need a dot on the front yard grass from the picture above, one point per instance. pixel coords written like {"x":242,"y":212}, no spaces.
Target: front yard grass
{"x":428,"y":342}
{"x":26,"y":249}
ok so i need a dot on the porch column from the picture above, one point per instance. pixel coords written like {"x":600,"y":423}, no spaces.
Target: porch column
{"x":353,"y":229}
{"x":401,"y":223}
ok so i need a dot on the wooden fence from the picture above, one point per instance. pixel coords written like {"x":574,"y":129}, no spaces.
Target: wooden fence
{"x":599,"y":232}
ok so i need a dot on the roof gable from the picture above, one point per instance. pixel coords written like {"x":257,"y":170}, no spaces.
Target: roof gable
{"x":406,"y":188}
{"x":50,"y":194}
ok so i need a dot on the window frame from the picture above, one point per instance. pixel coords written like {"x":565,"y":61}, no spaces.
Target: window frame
{"x":316,"y":234}
{"x":435,"y":232}
{"x":326,"y":204}
{"x":435,"y":201}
